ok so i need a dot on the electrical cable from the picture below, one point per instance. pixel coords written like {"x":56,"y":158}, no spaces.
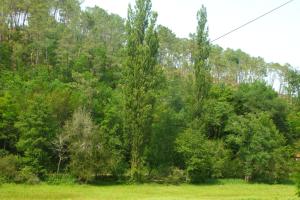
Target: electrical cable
{"x":253,"y":20}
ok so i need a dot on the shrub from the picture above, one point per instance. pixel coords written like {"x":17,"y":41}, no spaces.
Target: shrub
{"x":193,"y":146}
{"x":176,"y":176}
{"x":260,"y":147}
{"x":26,"y":175}
{"x":8,"y":168}
{"x":59,"y":179}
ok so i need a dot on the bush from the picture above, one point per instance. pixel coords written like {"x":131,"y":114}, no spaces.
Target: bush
{"x":2,"y":180}
{"x":233,"y":169}
{"x":59,"y":179}
{"x":8,"y":168}
{"x":260,"y":147}
{"x":3,"y":153}
{"x":193,"y":146}
{"x":27,"y":176}
{"x":176,"y":176}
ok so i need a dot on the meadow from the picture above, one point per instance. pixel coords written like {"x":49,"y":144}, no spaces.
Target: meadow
{"x":228,"y":190}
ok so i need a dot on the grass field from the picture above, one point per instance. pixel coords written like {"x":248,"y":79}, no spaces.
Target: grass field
{"x":222,"y":191}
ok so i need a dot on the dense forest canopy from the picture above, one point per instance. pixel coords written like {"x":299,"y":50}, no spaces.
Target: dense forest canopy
{"x":87,"y":94}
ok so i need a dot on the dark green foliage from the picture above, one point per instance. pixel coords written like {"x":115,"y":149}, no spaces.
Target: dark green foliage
{"x":294,"y":124}
{"x":204,"y":159}
{"x":254,"y":97}
{"x":217,"y":109}
{"x":255,"y":141}
{"x":196,"y":152}
{"x":36,"y":126}
{"x":160,"y":152}
{"x":257,"y":97}
{"x":8,"y":116}
{"x":5,"y":55}
{"x":215,"y":117}
{"x":111,"y":136}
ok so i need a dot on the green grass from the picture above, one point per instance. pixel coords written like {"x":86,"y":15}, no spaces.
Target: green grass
{"x":228,"y":190}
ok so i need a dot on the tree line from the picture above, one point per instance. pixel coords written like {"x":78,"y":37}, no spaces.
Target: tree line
{"x":89,"y":95}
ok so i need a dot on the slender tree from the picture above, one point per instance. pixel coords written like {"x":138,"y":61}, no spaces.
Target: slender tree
{"x":81,"y":134}
{"x":192,"y":143}
{"x":140,"y":81}
{"x":200,"y":59}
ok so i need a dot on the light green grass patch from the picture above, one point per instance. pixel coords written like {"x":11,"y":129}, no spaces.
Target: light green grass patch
{"x":225,"y":191}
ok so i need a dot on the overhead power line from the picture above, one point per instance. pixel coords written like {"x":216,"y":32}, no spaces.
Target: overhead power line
{"x":253,"y":20}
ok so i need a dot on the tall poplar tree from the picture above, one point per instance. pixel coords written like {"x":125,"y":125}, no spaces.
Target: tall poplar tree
{"x":192,"y":144}
{"x":200,"y":59}
{"x":140,"y":77}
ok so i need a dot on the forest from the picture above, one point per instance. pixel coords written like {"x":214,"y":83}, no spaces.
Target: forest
{"x":88,"y":96}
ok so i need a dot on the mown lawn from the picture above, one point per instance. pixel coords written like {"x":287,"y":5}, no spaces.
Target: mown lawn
{"x":226,"y":190}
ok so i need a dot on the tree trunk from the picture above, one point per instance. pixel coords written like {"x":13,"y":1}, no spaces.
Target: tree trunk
{"x":58,"y":165}
{"x":247,"y":178}
{"x":135,"y":165}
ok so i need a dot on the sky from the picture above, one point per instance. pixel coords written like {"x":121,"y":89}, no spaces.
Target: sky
{"x":276,"y":37}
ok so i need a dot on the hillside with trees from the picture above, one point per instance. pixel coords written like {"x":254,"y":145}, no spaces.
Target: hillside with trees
{"x":89,"y":95}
